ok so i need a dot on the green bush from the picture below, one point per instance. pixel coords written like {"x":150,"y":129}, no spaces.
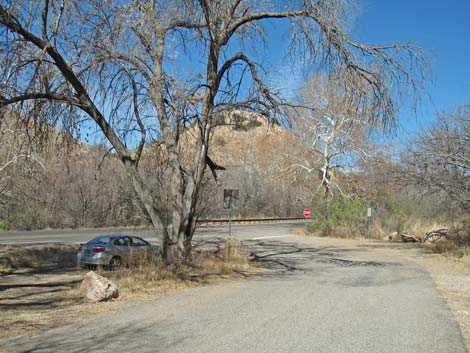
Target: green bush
{"x":322,"y":227}
{"x":316,"y":227}
{"x":4,"y":226}
{"x":347,"y":213}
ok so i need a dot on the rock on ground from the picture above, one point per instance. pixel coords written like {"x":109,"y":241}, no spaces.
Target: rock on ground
{"x":99,"y":288}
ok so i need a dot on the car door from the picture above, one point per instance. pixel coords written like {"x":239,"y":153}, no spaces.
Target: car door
{"x":122,"y":246}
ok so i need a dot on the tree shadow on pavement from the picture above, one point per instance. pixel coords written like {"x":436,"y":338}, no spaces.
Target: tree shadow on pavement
{"x":104,"y":335}
{"x":281,"y":258}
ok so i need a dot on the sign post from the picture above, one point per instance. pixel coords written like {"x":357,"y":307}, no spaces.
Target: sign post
{"x":369,"y":217}
{"x":230,"y":202}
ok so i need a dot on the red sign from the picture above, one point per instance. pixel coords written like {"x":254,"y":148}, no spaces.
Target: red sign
{"x":307,"y":213}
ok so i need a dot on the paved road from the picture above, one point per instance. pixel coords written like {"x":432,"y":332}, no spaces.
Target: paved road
{"x":311,"y":298}
{"x":76,"y":236}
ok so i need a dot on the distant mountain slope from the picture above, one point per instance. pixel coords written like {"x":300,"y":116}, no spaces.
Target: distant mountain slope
{"x":259,"y":158}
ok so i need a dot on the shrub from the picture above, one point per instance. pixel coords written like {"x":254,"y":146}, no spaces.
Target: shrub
{"x":314,"y":227}
{"x":458,"y":245}
{"x":4,"y":226}
{"x":322,"y":227}
{"x":342,"y":218}
{"x":346,"y":211}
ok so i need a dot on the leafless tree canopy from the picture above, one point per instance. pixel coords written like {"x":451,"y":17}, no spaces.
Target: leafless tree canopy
{"x":144,"y":71}
{"x":439,"y":160}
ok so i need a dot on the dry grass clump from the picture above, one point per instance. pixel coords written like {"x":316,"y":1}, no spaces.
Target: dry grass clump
{"x":230,"y":259}
{"x":14,"y":258}
{"x":456,"y":245}
{"x":299,"y":232}
{"x":450,"y":248}
{"x":150,"y":277}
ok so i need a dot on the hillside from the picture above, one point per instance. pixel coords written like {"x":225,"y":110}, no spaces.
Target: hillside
{"x":259,"y":158}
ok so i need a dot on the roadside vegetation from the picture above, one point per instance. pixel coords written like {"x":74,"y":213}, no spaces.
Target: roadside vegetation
{"x":347,"y":218}
{"x":151,"y":277}
{"x":422,"y":188}
{"x":457,"y":246}
{"x":3,"y":226}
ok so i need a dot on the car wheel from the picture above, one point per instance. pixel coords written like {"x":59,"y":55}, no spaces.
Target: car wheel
{"x":115,"y":263}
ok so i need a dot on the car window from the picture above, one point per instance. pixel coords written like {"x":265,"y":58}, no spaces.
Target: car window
{"x":100,"y":240}
{"x":136,"y":241}
{"x":123,"y":241}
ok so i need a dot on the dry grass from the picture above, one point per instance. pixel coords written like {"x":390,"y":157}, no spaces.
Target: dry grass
{"x":299,"y":232}
{"x":153,"y":277}
{"x":38,"y":300}
{"x":13,"y":258}
{"x":457,"y":245}
{"x":412,"y":225}
{"x":449,"y":248}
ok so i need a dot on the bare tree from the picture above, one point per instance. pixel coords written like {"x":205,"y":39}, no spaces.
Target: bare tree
{"x":18,"y":156}
{"x":334,"y":125}
{"x":119,"y":65}
{"x":438,"y":161}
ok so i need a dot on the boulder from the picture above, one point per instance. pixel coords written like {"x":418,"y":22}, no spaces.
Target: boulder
{"x":98,"y":288}
{"x":392,"y":237}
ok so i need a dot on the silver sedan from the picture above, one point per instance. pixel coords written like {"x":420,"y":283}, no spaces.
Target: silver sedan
{"x":116,"y":250}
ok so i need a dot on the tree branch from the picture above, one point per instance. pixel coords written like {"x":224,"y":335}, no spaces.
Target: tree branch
{"x":86,"y":104}
{"x":38,"y":95}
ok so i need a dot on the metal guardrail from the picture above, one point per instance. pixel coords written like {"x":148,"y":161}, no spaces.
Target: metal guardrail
{"x":251,"y":220}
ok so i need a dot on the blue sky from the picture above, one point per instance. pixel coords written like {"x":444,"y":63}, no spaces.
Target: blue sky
{"x":443,"y":30}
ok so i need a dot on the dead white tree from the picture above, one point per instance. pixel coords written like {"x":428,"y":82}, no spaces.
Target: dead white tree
{"x":334,"y":126}
{"x":145,"y":71}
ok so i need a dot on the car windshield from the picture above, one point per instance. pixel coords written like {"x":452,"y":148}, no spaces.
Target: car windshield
{"x":100,"y":240}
